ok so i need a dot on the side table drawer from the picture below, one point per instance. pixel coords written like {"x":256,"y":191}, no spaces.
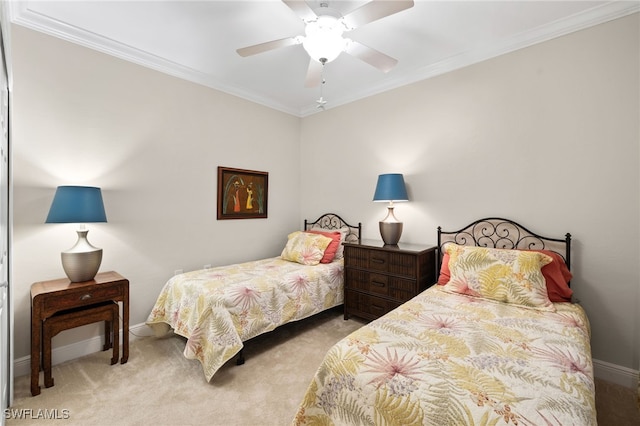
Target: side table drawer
{"x":402,"y":264}
{"x":380,"y":284}
{"x":367,"y":306}
{"x":374,"y":260}
{"x":356,"y":257}
{"x":402,"y":289}
{"x":378,"y":261}
{"x":367,"y":282}
{"x":73,"y":299}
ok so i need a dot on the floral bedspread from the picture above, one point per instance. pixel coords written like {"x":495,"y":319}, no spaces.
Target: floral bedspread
{"x":217,"y":309}
{"x":450,"y":359}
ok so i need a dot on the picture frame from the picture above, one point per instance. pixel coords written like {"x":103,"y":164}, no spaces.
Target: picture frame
{"x":242,"y":194}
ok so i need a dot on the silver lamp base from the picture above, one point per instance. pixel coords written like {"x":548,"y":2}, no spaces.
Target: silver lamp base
{"x":82,"y":261}
{"x":390,"y":228}
{"x":390,"y":232}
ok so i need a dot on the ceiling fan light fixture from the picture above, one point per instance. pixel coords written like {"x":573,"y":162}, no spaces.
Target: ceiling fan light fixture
{"x":324,"y":39}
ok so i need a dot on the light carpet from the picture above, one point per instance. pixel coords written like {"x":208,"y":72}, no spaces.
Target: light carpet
{"x":159,"y":386}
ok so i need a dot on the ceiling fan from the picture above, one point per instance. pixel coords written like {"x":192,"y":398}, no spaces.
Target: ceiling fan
{"x":323,"y":39}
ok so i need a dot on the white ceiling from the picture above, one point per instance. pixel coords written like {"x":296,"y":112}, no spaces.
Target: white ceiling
{"x":197,"y":40}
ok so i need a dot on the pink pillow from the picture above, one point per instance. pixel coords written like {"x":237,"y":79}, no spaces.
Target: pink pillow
{"x":556,"y":276}
{"x":332,"y":248}
{"x":445,"y":274}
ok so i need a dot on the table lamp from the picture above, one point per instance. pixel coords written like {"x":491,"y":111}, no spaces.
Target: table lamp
{"x":79,"y":204}
{"x":390,"y":188}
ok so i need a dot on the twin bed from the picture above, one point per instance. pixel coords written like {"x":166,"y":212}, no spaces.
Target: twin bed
{"x":486,"y":346}
{"x":217,"y":309}
{"x":496,"y":341}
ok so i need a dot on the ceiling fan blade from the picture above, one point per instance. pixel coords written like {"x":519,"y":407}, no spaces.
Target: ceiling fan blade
{"x":270,"y":45}
{"x":371,"y":56}
{"x":373,"y":11}
{"x":314,"y":74}
{"x":302,"y":9}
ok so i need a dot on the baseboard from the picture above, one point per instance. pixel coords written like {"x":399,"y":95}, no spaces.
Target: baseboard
{"x":613,"y":373}
{"x":22,"y":366}
{"x":617,"y":374}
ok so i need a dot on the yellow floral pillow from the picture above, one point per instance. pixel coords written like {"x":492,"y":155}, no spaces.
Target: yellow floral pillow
{"x":508,"y":276}
{"x":305,"y":248}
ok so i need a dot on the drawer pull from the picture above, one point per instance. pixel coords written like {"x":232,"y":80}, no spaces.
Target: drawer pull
{"x":374,"y":260}
{"x":85,"y":297}
{"x":380,"y":308}
{"x":378,"y":283}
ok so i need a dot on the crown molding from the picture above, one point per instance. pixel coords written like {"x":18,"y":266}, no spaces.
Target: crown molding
{"x":20,"y":14}
{"x":599,"y":15}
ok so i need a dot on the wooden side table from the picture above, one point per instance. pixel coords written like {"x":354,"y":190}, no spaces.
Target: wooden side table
{"x":379,"y":277}
{"x":109,"y":312}
{"x":51,"y":297}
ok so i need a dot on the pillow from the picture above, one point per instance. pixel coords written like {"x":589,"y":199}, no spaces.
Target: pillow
{"x":330,"y":252}
{"x":343,"y":234}
{"x":445,"y":274}
{"x":305,"y":248}
{"x":507,"y":276}
{"x":556,"y":275}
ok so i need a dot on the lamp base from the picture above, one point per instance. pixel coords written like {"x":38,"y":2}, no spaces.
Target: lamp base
{"x":82,"y":261}
{"x":390,"y":232}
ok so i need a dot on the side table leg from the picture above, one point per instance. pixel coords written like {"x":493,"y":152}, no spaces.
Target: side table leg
{"x":125,"y":326}
{"x":46,"y":354}
{"x":115,"y":332}
{"x":108,"y":326}
{"x":36,"y":329}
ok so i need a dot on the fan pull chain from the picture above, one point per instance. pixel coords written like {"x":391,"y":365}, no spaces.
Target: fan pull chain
{"x":321,"y":102}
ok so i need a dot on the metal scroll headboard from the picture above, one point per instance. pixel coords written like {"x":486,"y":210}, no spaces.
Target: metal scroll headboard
{"x":502,"y":233}
{"x":333,"y":221}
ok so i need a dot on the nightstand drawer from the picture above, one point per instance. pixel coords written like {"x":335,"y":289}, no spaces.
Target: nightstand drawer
{"x":367,"y":306}
{"x":361,"y":258}
{"x":380,"y":284}
{"x":355,"y":257}
{"x":402,"y":264}
{"x":73,"y":299}
{"x":378,"y":261}
{"x":367,"y":282}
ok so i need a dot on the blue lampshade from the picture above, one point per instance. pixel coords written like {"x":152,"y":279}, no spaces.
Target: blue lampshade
{"x":390,"y":187}
{"x":77,"y":204}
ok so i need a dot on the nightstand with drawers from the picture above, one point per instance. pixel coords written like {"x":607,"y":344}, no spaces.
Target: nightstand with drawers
{"x":379,"y":278}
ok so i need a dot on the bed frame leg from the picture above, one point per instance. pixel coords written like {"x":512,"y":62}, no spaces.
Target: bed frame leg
{"x":240,"y":359}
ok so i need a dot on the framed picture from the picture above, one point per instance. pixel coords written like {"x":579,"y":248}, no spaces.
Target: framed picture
{"x":242,"y":194}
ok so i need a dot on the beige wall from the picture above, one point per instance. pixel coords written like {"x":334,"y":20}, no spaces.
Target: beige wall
{"x":547,"y":136}
{"x":153,"y":143}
